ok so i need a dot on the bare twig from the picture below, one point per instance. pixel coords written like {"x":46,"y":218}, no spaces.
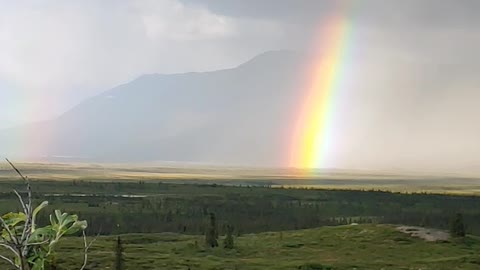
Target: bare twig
{"x":27,"y":209}
{"x":24,"y":206}
{"x":38,"y":243}
{"x":17,"y":170}
{"x":86,"y":248}
{"x":12,"y":236}
{"x":9,"y":248}
{"x":85,"y":251}
{"x":9,"y":261}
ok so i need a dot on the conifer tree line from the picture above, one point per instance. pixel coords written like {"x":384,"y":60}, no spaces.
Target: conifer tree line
{"x":184,"y":208}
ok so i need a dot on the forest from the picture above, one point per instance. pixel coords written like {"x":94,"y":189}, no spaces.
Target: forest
{"x":152,"y":207}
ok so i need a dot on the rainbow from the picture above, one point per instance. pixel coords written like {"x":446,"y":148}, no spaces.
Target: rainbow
{"x":313,"y":137}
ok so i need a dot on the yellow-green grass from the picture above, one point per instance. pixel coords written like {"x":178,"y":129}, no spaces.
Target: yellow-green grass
{"x":342,"y":247}
{"x":331,"y":179}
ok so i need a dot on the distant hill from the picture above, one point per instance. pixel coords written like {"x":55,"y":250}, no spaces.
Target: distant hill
{"x":241,"y":116}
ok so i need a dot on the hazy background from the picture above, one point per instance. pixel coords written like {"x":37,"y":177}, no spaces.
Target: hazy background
{"x":412,"y":104}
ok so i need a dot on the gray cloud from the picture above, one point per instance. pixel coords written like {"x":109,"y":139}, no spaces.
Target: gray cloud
{"x":57,"y":53}
{"x":74,"y":49}
{"x":436,"y":13}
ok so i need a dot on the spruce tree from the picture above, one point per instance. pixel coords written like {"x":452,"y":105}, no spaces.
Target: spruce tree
{"x":211,"y":235}
{"x":119,"y":260}
{"x":457,"y":227}
{"x":229,"y":242}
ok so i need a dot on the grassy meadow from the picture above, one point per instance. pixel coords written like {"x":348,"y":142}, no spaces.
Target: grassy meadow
{"x":341,"y":247}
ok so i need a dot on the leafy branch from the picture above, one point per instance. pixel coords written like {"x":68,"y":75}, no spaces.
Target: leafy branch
{"x":31,"y":247}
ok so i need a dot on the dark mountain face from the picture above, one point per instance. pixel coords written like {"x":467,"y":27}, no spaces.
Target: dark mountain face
{"x":240,"y":116}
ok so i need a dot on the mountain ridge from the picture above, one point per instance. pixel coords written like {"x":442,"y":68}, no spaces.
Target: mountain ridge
{"x":176,"y":117}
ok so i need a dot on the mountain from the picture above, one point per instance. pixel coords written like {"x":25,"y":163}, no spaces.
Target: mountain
{"x":241,"y":115}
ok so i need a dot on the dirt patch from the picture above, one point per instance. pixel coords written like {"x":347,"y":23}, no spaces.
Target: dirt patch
{"x":428,"y":234}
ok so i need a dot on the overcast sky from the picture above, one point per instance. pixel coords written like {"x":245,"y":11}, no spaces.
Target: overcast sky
{"x":55,"y":53}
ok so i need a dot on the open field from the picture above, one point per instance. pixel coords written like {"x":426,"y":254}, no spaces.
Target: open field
{"x":341,"y":247}
{"x":177,"y":173}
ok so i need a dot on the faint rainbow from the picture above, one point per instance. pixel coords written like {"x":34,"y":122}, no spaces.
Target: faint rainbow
{"x":312,"y":137}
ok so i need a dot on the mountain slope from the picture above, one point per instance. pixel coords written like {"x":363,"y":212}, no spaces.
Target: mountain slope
{"x":237,"y":116}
